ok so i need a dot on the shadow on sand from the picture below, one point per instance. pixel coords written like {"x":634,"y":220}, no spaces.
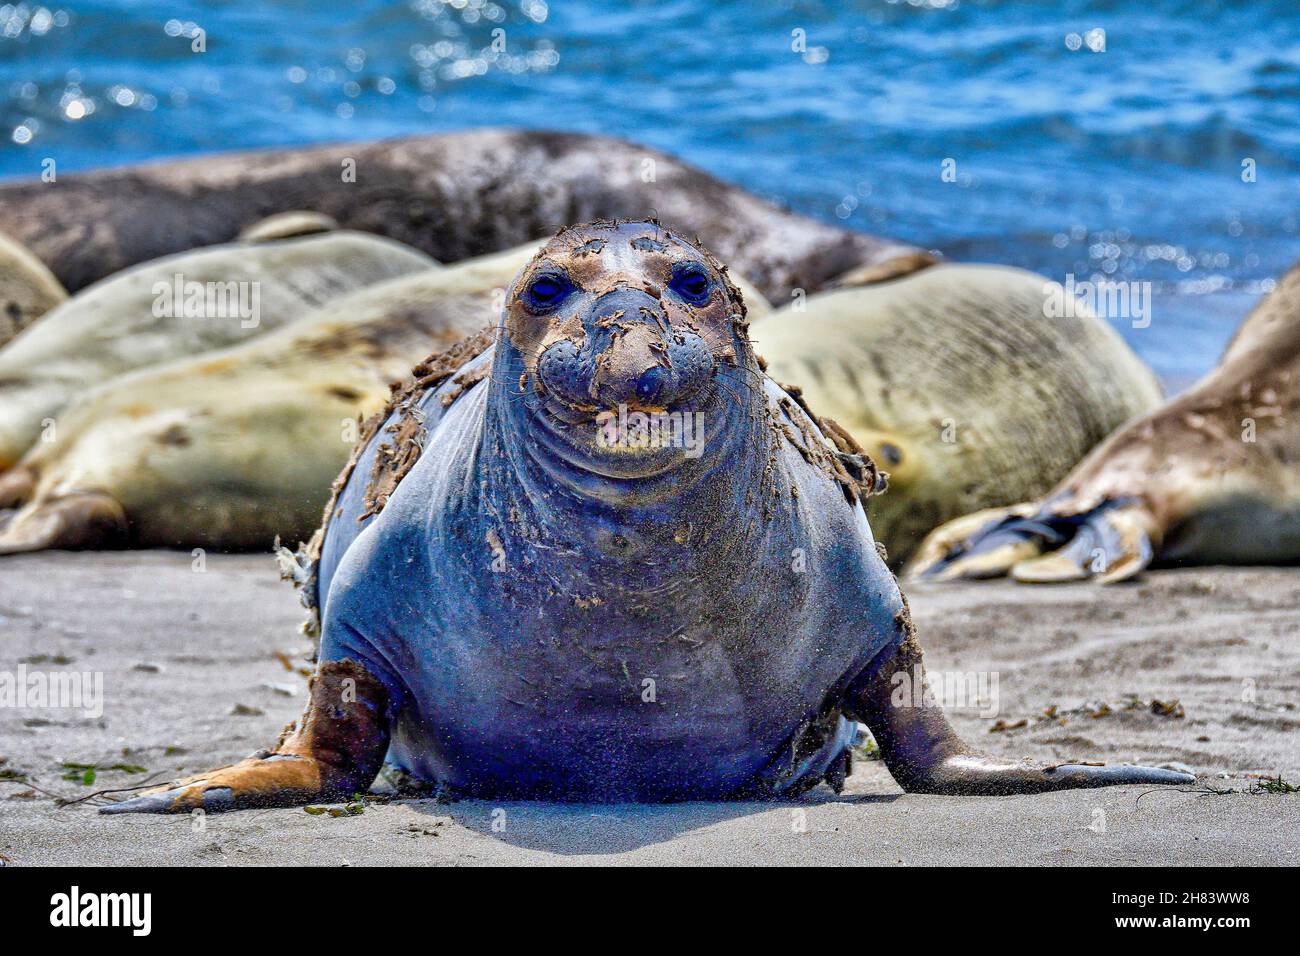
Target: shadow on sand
{"x":577,"y":829}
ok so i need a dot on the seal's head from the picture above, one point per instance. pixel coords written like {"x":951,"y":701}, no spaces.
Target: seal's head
{"x":618,"y":322}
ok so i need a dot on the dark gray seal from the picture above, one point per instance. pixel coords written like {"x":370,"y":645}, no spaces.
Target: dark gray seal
{"x":452,"y":195}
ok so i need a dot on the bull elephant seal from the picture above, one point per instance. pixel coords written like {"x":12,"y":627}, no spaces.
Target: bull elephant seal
{"x":452,"y":195}
{"x":27,"y":289}
{"x":958,"y":386}
{"x":1211,"y":477}
{"x":537,"y":607}
{"x":237,"y":447}
{"x":176,"y":307}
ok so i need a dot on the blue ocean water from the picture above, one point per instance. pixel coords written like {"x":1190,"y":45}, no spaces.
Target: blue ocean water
{"x":1101,"y":139}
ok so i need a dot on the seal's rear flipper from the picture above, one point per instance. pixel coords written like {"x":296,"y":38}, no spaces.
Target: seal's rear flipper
{"x":333,"y":751}
{"x":1111,"y":542}
{"x":925,"y":755}
{"x":984,"y":544}
{"x":83,"y":519}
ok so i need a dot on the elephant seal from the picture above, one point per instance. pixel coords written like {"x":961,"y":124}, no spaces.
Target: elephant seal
{"x":229,"y":449}
{"x":958,"y":386}
{"x":287,"y":225}
{"x":452,"y":195}
{"x":235,"y":448}
{"x":175,"y":307}
{"x":27,"y":289}
{"x":535,"y":606}
{"x":1211,"y":477}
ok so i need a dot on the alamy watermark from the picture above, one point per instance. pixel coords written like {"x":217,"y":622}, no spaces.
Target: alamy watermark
{"x":53,"y":690}
{"x":625,"y":429}
{"x":190,"y":299}
{"x":75,"y":908}
{"x":1117,"y":299}
{"x":951,"y":690}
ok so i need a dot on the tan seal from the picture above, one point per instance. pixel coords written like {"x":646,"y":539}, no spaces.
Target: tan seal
{"x":27,"y":289}
{"x":1211,"y":477}
{"x":176,"y":307}
{"x":958,"y":385}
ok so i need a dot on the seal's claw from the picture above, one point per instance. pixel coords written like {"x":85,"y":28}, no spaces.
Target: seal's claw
{"x":178,"y":800}
{"x":273,"y":779}
{"x":1074,"y":776}
{"x":150,"y":803}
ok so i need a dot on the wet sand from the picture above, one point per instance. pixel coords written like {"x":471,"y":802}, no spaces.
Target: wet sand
{"x":194,"y":677}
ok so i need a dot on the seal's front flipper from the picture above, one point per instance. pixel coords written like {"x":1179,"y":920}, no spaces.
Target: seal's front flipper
{"x":925,"y":755}
{"x":1112,"y":542}
{"x":333,"y":751}
{"x":82,"y":519}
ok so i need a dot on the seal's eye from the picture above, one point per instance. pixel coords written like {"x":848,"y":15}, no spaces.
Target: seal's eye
{"x":547,"y":291}
{"x":692,"y":283}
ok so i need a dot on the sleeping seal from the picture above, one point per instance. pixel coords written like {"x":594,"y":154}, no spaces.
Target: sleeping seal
{"x":452,"y":195}
{"x":27,"y":289}
{"x":523,"y":602}
{"x":958,"y":386}
{"x":233,"y":448}
{"x":176,"y":307}
{"x":1211,"y":477}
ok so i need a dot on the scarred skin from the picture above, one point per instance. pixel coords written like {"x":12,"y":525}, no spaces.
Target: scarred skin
{"x":547,"y":617}
{"x":1212,"y":476}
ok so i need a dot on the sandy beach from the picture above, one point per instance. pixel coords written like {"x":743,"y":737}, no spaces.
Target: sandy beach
{"x":1197,"y":667}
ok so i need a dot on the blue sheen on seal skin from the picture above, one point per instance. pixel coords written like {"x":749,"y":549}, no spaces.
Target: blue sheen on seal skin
{"x":556,"y":618}
{"x":531,"y":589}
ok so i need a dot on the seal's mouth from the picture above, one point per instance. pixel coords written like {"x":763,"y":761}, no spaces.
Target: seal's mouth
{"x":627,"y":400}
{"x":619,"y":339}
{"x":628,"y":441}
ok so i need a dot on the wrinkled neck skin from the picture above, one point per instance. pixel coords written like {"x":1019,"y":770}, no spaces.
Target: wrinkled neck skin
{"x":638,"y":509}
